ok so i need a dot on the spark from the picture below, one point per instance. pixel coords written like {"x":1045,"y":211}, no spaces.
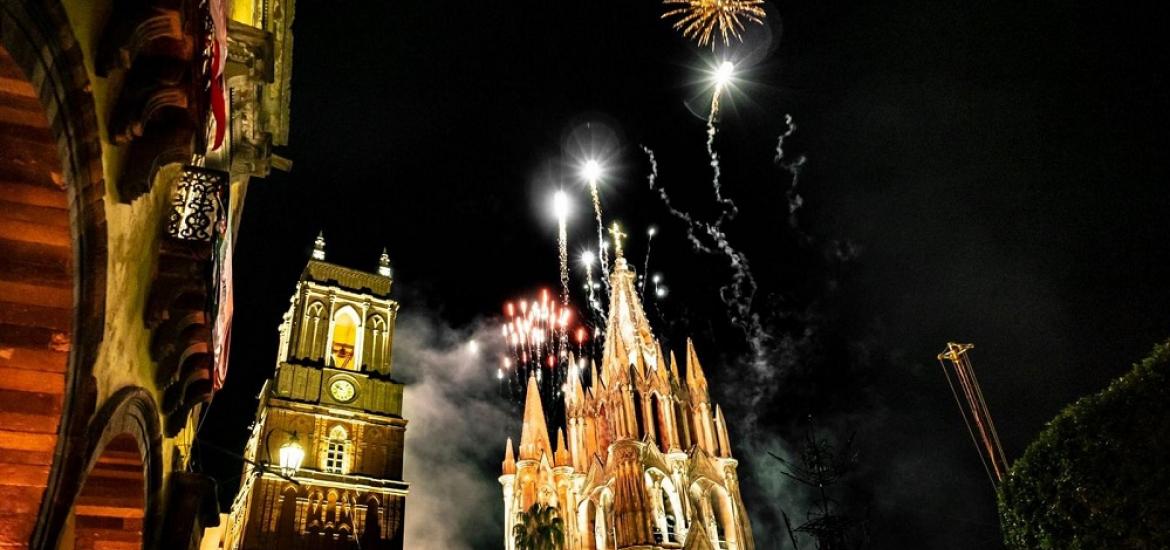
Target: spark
{"x":723,"y":73}
{"x":700,"y":19}
{"x":722,"y":76}
{"x":591,"y":170}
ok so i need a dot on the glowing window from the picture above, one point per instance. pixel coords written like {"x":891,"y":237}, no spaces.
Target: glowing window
{"x":345,"y":324}
{"x":335,"y":450}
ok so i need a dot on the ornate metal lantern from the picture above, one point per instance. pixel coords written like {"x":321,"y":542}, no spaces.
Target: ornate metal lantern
{"x":197,"y":207}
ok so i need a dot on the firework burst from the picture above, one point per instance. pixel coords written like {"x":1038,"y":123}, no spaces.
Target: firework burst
{"x":537,"y":333}
{"x":701,"y":20}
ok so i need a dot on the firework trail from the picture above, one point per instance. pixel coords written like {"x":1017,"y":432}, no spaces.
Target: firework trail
{"x":793,"y":167}
{"x":691,"y":223}
{"x":646,"y":263}
{"x":592,"y":172}
{"x":740,"y":292}
{"x":722,"y":79}
{"x":561,"y":209}
{"x":590,"y":287}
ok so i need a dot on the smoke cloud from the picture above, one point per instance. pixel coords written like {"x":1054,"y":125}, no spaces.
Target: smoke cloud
{"x":456,"y":433}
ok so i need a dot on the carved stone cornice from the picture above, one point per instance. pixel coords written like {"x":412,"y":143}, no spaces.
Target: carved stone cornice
{"x":157,"y":54}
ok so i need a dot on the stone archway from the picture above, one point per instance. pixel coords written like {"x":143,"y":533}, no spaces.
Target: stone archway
{"x":110,"y":510}
{"x":52,"y":259}
{"x":116,"y":500}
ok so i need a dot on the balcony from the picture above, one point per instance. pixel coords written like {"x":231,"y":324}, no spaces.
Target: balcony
{"x":190,"y":302}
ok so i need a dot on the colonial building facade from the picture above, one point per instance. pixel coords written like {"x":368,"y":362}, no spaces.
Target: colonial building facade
{"x":646,"y":460}
{"x":324,"y":462}
{"x":129,"y":132}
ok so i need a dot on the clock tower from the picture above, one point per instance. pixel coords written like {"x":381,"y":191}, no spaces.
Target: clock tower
{"x":325,"y":455}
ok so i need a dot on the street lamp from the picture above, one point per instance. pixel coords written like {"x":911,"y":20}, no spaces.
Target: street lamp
{"x":291,"y":456}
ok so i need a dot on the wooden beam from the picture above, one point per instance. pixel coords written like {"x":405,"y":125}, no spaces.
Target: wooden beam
{"x":36,"y":316}
{"x":24,"y":475}
{"x":33,"y":359}
{"x":31,"y":381}
{"x":33,"y":294}
{"x":34,"y":233}
{"x":36,"y":195}
{"x":14,"y":269}
{"x":56,"y":217}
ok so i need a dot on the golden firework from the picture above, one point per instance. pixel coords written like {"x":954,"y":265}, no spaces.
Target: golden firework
{"x":700,"y":19}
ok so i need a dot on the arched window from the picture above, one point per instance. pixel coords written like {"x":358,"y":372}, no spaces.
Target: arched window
{"x":656,"y":420}
{"x":344,"y":338}
{"x":313,"y":331}
{"x":316,"y":512}
{"x":639,"y":422}
{"x":372,"y":526}
{"x":721,"y":519}
{"x":667,"y":523}
{"x":375,"y":345}
{"x":335,"y":450}
{"x":287,"y":521}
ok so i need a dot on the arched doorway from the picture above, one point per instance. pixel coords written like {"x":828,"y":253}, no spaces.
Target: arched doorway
{"x":109,"y":512}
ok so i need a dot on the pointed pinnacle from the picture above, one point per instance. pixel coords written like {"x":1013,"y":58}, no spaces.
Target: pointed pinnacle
{"x":534,"y":433}
{"x":561,"y":458}
{"x":509,"y":460}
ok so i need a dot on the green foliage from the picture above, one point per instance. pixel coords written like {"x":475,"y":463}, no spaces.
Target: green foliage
{"x":539,"y":528}
{"x":1099,"y":474}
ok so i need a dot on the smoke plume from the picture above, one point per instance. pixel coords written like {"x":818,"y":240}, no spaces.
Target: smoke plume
{"x":456,"y":433}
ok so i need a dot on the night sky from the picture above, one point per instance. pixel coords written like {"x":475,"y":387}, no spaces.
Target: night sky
{"x":981,"y":172}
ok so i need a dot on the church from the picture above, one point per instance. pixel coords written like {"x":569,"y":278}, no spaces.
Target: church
{"x":645,"y":461}
{"x":323,"y":465}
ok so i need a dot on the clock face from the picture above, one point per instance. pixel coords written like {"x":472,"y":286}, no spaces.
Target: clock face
{"x":342,"y":390}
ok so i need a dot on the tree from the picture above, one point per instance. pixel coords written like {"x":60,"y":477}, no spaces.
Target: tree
{"x":1097,"y":475}
{"x":539,"y":528}
{"x":821,"y":467}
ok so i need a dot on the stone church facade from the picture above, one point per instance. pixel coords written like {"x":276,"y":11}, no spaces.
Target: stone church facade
{"x":646,"y":459}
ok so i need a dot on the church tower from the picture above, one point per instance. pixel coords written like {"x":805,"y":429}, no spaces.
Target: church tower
{"x":325,"y":455}
{"x":645,"y":461}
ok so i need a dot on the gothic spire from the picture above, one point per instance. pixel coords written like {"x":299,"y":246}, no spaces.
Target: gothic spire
{"x":627,"y":330}
{"x":534,"y":434}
